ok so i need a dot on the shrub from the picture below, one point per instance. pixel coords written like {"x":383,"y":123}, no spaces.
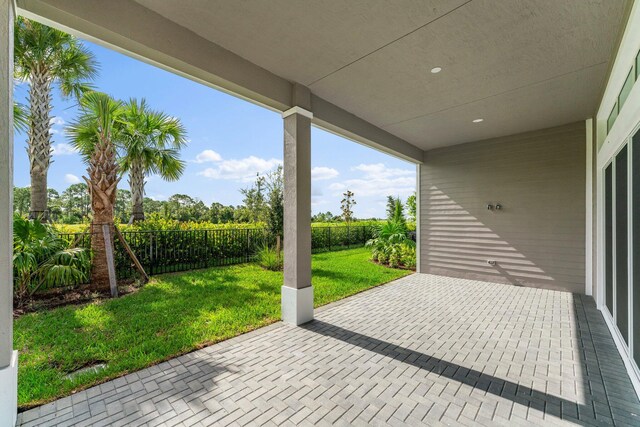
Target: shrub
{"x":392,"y":245}
{"x":42,"y":260}
{"x":408,"y":257}
{"x":158,"y":223}
{"x":269,"y":258}
{"x":394,"y":259}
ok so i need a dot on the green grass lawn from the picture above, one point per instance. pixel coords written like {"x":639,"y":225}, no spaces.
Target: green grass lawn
{"x":171,"y":315}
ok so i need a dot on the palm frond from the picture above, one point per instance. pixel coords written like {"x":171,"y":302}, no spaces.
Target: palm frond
{"x":20,"y":117}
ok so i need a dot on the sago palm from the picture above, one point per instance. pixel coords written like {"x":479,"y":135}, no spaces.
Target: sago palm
{"x":46,"y":57}
{"x":150,"y":144}
{"x":94,"y":134}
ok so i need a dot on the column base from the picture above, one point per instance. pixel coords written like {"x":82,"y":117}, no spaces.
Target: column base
{"x":297,"y":305}
{"x":9,"y":392}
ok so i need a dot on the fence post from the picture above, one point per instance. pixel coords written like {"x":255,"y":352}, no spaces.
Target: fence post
{"x":348,"y":236}
{"x":206,"y":248}
{"x":248,"y":254}
{"x":329,"y":228}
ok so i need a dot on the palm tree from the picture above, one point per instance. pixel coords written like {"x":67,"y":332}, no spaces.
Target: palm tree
{"x":95,"y":134}
{"x":151,"y":143}
{"x":45,"y":56}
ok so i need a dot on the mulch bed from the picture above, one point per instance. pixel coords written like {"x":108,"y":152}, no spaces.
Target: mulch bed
{"x":58,"y":297}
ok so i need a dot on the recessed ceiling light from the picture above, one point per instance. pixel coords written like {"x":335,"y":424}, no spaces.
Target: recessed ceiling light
{"x":436,"y":70}
{"x":478,"y":120}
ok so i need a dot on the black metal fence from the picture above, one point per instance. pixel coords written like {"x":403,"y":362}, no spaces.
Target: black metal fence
{"x":181,"y":250}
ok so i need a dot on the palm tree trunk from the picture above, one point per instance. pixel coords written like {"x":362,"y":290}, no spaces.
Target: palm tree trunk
{"x":136,"y":183}
{"x":39,"y":143}
{"x":103,"y":180}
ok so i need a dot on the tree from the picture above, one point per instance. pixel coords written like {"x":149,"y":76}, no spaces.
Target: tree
{"x":275,"y":202}
{"x":151,"y":142}
{"x":21,"y":196}
{"x":254,"y":200}
{"x":324,"y":217}
{"x":398,"y":213}
{"x":346,"y":205}
{"x":76,"y":203}
{"x":94,"y":134}
{"x":123,"y":205}
{"x":180,"y":206}
{"x":220,"y":214}
{"x":46,"y":57}
{"x":411,"y":207}
{"x":391,"y":206}
{"x":54,"y":204}
{"x":154,"y":206}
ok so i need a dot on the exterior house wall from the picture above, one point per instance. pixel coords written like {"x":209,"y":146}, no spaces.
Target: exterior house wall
{"x":537,"y":238}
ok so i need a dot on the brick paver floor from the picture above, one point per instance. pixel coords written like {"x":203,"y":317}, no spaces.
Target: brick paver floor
{"x":424,"y":350}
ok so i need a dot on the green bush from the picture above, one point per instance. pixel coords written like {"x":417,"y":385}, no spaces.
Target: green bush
{"x":408,"y":257}
{"x":391,"y":245}
{"x":43,"y":260}
{"x":270,"y":259}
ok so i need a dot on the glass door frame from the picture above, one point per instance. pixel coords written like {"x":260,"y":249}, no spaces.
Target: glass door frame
{"x":605,"y":158}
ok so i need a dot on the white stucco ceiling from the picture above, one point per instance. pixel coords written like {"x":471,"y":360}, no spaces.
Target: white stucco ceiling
{"x":518,"y":64}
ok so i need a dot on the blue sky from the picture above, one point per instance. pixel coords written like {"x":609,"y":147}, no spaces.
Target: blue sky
{"x":230,"y":140}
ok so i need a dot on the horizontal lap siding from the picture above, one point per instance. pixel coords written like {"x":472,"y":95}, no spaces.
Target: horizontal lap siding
{"x":537,"y":239}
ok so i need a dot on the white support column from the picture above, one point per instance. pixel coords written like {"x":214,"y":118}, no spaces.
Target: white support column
{"x":297,"y":292}
{"x":418,"y":219}
{"x":8,"y":357}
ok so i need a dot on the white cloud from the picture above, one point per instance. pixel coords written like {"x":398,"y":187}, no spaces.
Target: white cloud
{"x":72,"y":179}
{"x":63,"y":149}
{"x":57,"y":121}
{"x":378,"y":180}
{"x":240,"y":169}
{"x":379,"y":170}
{"x":208,"y":156}
{"x":322,"y":172}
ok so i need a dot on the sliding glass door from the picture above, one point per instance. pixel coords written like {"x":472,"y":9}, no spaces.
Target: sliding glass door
{"x":622,"y":243}
{"x":635,"y":245}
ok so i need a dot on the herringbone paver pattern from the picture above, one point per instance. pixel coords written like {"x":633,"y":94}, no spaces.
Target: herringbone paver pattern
{"x":424,"y":350}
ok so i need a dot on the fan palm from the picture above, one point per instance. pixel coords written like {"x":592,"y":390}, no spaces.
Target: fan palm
{"x":46,"y":57}
{"x":95,"y":134}
{"x":151,"y":143}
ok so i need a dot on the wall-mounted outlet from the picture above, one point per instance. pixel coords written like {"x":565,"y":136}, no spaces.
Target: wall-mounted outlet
{"x":491,"y":262}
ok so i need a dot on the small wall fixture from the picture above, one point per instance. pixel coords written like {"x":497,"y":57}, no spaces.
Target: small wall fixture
{"x":498,"y":206}
{"x":490,"y":207}
{"x":478,"y":120}
{"x":436,"y":70}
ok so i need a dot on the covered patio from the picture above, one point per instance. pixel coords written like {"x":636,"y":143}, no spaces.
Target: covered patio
{"x":521,"y":118}
{"x":424,"y":349}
